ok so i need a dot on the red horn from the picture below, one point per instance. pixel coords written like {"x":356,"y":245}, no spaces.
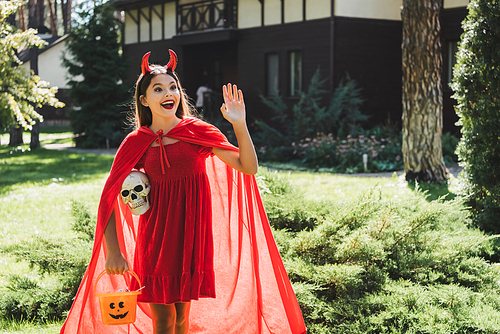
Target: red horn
{"x":145,"y":64}
{"x":172,"y":62}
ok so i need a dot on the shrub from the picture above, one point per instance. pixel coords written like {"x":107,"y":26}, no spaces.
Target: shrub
{"x":381,"y":265}
{"x":477,"y":91}
{"x":60,"y":265}
{"x":285,"y":207}
{"x":308,"y":118}
{"x":346,"y":155}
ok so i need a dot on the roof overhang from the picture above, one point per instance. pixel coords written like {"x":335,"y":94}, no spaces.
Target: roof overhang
{"x":136,"y":4}
{"x":206,"y":37}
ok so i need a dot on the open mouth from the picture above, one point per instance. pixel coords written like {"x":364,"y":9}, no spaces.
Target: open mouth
{"x":168,"y":104}
{"x":118,"y":316}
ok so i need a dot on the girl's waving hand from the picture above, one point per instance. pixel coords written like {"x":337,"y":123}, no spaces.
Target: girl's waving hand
{"x":233,"y":109}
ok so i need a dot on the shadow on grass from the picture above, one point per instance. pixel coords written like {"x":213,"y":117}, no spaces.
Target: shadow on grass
{"x":433,"y":191}
{"x":19,"y":165}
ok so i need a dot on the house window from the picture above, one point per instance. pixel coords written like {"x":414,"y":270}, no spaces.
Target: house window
{"x":295,"y":61}
{"x":452,"y":58}
{"x":272,"y":73}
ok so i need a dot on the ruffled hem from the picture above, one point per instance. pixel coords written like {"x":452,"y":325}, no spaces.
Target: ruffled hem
{"x":174,"y":288}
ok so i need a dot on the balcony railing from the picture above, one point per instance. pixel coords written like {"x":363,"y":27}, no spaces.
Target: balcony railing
{"x":207,"y":15}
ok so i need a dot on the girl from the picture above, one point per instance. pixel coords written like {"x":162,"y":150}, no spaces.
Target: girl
{"x":204,"y":250}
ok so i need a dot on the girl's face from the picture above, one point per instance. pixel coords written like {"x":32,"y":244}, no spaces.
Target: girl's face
{"x":162,"y":96}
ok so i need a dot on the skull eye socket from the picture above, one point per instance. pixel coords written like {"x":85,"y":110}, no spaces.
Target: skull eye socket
{"x":112,"y":306}
{"x":120,"y":305}
{"x":125,"y":193}
{"x":138,"y":188}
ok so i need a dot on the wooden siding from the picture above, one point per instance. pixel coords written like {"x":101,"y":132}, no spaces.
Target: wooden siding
{"x":312,"y":38}
{"x":368,"y":50}
{"x":373,"y":44}
{"x":249,"y":14}
{"x":455,"y":3}
{"x":150,"y":23}
{"x":272,"y":12}
{"x":293,"y":11}
{"x":318,"y":9}
{"x":370,"y":9}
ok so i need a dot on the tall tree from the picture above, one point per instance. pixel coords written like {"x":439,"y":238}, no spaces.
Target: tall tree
{"x":35,"y":21}
{"x":20,"y":91}
{"x":422,"y":92}
{"x":477,"y":91}
{"x":53,"y":18}
{"x":66,"y":15}
{"x":22,"y":19}
{"x":95,"y":56}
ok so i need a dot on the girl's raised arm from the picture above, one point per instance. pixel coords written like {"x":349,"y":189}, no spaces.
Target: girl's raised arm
{"x":234,"y":111}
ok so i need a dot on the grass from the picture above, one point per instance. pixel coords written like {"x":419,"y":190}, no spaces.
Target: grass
{"x":36,"y":188}
{"x":345,"y":188}
{"x":28,"y":327}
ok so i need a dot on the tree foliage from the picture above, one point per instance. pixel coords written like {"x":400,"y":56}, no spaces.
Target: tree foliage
{"x":384,"y":264}
{"x":94,"y":55}
{"x":310,"y":116}
{"x":20,"y":90}
{"x":477,"y":91}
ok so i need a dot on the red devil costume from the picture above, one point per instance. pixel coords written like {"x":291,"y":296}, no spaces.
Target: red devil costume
{"x":252,"y":291}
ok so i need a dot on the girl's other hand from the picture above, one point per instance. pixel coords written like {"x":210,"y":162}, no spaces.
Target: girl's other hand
{"x":233,"y":108}
{"x":116,"y":264}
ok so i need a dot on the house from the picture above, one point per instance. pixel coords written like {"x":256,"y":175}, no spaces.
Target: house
{"x":271,"y":46}
{"x":51,"y":69}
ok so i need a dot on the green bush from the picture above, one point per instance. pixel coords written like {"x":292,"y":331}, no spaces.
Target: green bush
{"x":381,"y":265}
{"x":59,"y":266}
{"x":346,"y":156}
{"x":308,"y":118}
{"x":477,"y":91}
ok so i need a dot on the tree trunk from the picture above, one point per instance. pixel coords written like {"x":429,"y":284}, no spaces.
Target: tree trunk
{"x":66,"y":15}
{"x":422,"y":93}
{"x":69,"y":5}
{"x":34,"y":22}
{"x":35,"y":135}
{"x":22,"y":19}
{"x":53,"y":19}
{"x":32,"y":14}
{"x":15,"y":135}
{"x":40,"y":14}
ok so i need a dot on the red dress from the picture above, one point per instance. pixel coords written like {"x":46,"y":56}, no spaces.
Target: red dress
{"x":254,"y":294}
{"x":174,"y":252}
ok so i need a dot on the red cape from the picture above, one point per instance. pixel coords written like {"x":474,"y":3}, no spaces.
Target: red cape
{"x":254,"y":294}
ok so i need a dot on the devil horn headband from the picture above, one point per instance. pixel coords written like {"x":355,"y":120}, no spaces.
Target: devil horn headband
{"x":172,"y":64}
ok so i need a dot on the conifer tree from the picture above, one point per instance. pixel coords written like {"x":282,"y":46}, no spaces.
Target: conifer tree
{"x":477,"y":91}
{"x":94,"y":55}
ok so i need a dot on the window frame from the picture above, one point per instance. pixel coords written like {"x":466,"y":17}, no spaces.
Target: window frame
{"x":292,"y":91}
{"x":267,"y":71}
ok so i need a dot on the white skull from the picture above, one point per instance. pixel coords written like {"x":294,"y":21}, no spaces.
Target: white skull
{"x":135,"y":191}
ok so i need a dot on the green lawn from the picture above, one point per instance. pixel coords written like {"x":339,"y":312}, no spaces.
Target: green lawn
{"x":36,"y":188}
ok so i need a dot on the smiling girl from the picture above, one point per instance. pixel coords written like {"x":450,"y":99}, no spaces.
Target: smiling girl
{"x":204,"y":251}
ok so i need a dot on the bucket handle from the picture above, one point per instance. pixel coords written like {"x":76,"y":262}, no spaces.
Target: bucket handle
{"x":104,"y":272}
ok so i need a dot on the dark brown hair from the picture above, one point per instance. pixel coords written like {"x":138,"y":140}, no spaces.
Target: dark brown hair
{"x":141,"y":115}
